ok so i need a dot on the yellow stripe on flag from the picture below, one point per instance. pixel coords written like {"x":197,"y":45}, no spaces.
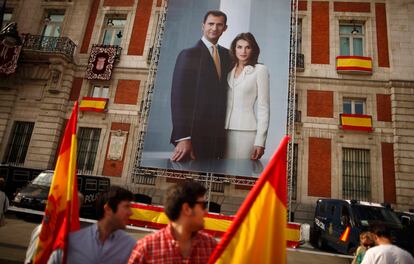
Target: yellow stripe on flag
{"x":262,"y":229}
{"x":85,"y":103}
{"x":215,"y":224}
{"x":356,"y":121}
{"x":354,"y":62}
{"x":149,"y":216}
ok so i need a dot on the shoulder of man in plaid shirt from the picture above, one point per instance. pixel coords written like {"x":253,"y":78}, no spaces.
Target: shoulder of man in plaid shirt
{"x":161,"y":247}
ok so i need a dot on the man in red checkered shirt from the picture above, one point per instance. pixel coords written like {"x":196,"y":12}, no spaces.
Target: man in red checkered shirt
{"x":181,"y":241}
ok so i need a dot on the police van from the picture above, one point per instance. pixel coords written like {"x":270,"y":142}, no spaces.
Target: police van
{"x":338,"y":223}
{"x":34,"y":194}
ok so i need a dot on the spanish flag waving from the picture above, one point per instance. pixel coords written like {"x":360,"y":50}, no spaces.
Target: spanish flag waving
{"x":258,"y":233}
{"x":62,"y":210}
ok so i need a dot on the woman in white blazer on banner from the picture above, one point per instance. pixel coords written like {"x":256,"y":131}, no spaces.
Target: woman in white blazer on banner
{"x":248,"y":106}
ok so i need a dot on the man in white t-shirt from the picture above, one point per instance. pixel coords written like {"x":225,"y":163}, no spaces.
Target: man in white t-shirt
{"x":385,"y":252}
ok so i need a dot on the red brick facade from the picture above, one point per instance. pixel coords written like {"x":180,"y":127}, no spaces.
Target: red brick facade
{"x":319,"y":167}
{"x":115,"y":167}
{"x":388,"y":172}
{"x":320,"y":33}
{"x":140,"y":27}
{"x":352,"y":7}
{"x":76,"y":88}
{"x":302,"y":5}
{"x":89,"y":27}
{"x":320,"y":103}
{"x":118,"y":2}
{"x":127,"y":92}
{"x":382,"y":35}
{"x":384,"y":107}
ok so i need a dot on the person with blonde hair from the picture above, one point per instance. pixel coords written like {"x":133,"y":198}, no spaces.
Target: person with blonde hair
{"x":366,"y":241}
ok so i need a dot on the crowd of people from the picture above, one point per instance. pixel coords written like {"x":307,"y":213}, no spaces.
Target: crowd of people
{"x":376,"y":248}
{"x":181,"y":241}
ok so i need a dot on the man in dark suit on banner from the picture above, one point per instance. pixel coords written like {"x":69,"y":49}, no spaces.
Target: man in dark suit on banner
{"x":198,"y":94}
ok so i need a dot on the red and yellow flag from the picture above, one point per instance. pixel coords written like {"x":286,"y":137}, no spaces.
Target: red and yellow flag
{"x":62,"y":209}
{"x":258,"y":233}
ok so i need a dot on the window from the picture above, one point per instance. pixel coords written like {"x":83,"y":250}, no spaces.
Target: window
{"x":100,"y":91}
{"x":19,"y":142}
{"x":113,"y":30}
{"x":7,"y":18}
{"x":53,"y":23}
{"x":351,"y":38}
{"x":299,"y":37}
{"x":354,"y":106}
{"x":88,"y":140}
{"x":103,"y":185}
{"x":91,"y":185}
{"x":356,"y":175}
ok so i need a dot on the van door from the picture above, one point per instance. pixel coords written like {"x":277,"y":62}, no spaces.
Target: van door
{"x":341,"y":222}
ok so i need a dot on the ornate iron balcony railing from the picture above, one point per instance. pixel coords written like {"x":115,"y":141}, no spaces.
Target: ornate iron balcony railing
{"x":61,"y":45}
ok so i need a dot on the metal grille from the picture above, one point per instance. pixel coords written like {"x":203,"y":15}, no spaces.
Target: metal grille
{"x":88,"y":140}
{"x":356,"y":174}
{"x":295,"y":172}
{"x":19,"y":143}
{"x":290,"y":126}
{"x":145,"y":178}
{"x":62,"y":45}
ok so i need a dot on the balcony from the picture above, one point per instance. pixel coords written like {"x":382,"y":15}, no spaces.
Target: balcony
{"x":356,"y":122}
{"x":41,"y":47}
{"x":353,"y":65}
{"x":300,"y":62}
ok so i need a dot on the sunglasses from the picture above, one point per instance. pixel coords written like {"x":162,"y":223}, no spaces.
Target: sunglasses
{"x":203,"y":204}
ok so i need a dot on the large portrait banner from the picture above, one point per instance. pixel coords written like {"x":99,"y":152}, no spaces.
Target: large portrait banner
{"x":220,"y":98}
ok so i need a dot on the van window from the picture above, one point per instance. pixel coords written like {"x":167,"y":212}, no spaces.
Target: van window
{"x":322,"y":209}
{"x":91,"y":185}
{"x":368,"y":215}
{"x":44,"y":179}
{"x":20,"y":175}
{"x":332,"y":210}
{"x":103,"y":185}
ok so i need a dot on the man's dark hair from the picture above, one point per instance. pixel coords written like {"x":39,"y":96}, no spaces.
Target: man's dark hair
{"x":254,"y":56}
{"x":216,"y":13}
{"x":180,"y":193}
{"x":381,"y":231}
{"x":113,"y":197}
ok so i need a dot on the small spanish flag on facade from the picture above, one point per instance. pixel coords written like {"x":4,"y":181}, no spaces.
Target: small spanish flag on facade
{"x":356,"y":122}
{"x":258,"y":233}
{"x":356,"y":64}
{"x":62,"y":209}
{"x":93,"y":104}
